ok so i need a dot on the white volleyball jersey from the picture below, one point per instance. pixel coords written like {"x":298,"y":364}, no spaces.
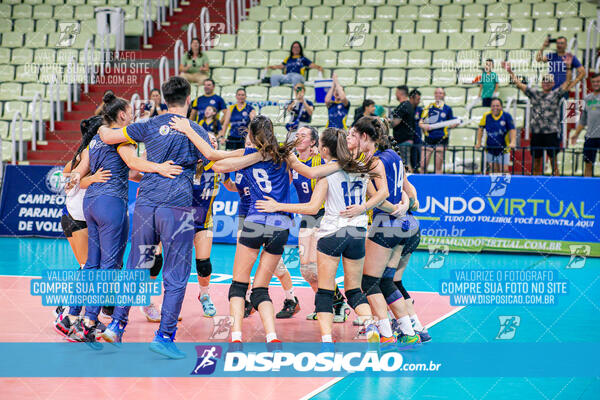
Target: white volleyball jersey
{"x":74,"y":203}
{"x":344,"y":190}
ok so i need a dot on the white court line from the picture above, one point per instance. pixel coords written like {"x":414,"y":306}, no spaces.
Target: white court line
{"x":336,"y":380}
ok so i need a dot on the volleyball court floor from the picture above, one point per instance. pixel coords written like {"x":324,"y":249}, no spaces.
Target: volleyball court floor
{"x":575,"y":318}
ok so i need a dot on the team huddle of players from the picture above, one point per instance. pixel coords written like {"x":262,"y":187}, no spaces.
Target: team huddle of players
{"x":352,"y":191}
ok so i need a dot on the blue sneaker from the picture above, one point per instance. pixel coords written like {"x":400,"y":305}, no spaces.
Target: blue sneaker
{"x":424,"y":335}
{"x":207,"y":306}
{"x":165,"y":346}
{"x":114,"y":333}
{"x":327,"y":347}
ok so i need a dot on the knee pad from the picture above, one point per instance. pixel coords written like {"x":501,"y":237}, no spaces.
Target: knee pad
{"x":280,"y":269}
{"x":203,"y":267}
{"x":389,"y":290}
{"x":324,"y":300}
{"x":309,"y":272}
{"x":389,"y":273}
{"x":356,"y":297}
{"x":238,"y":289}
{"x":402,"y":290}
{"x":157,"y":266}
{"x":370,"y":285}
{"x":259,"y":295}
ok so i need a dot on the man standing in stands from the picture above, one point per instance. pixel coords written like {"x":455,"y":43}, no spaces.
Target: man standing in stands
{"x":415,"y":154}
{"x":590,"y":118}
{"x":403,"y":123}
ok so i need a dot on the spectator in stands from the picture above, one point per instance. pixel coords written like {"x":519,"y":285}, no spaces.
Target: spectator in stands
{"x":155,"y":106}
{"x":237,"y":118}
{"x":367,"y":109}
{"x":293,"y":67}
{"x":488,"y":83}
{"x":415,"y":155}
{"x":300,"y":108}
{"x":209,"y":98}
{"x":557,"y":65}
{"x":99,"y":108}
{"x":210,"y":121}
{"x":436,"y":139}
{"x":337,"y":104}
{"x":501,"y":137}
{"x":545,"y":115}
{"x":590,"y":118}
{"x":194,"y":65}
{"x":403,"y":124}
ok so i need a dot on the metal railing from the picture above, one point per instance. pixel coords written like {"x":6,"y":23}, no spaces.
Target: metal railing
{"x":470,"y":160}
{"x":73,"y":92}
{"x":148,"y":86}
{"x":590,"y":52}
{"x":163,"y":71}
{"x":177,"y":55}
{"x":88,"y":65}
{"x":192,"y":32}
{"x":147,"y":18}
{"x":230,"y":17}
{"x":204,"y":24}
{"x":36,"y":119}
{"x":16,"y":116}
{"x":55,"y":108}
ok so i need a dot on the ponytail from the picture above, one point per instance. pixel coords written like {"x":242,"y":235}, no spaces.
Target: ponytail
{"x":112,"y":106}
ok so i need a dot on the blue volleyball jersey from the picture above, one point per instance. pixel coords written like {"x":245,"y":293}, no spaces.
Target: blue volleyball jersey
{"x":417,"y":136}
{"x":432,"y":114}
{"x":105,"y":156}
{"x":205,"y":189}
{"x":201,"y":102}
{"x":266,"y":178}
{"x":243,"y":190}
{"x":239,"y":120}
{"x":337,"y":115}
{"x":163,"y":144}
{"x":210,"y":127}
{"x":296,"y":64}
{"x":303,"y":185}
{"x":394,"y":174}
{"x":496,"y":129}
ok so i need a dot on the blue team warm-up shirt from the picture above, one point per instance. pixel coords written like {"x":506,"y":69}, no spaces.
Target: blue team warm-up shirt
{"x":496,"y":129}
{"x":206,"y":188}
{"x":303,"y":185}
{"x":204,"y":101}
{"x":243,"y":190}
{"x":433,"y":114}
{"x":163,"y":144}
{"x":240,"y":118}
{"x":105,"y":156}
{"x":299,"y":114}
{"x":337,"y":115}
{"x":211,"y":127}
{"x":296,"y":64}
{"x":266,"y":178}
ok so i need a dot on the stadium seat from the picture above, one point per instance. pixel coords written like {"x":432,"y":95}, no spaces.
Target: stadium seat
{"x":461,"y":41}
{"x":280,"y":93}
{"x":587,"y":9}
{"x":379,"y":95}
{"x":419,"y":77}
{"x":316,"y":42}
{"x":256,"y":93}
{"x":270,"y":42}
{"x":224,"y":76}
{"x":381,"y":27}
{"x":10,"y":107}
{"x":277,"y":57}
{"x":367,"y":77}
{"x":257,"y":58}
{"x":496,"y":11}
{"x":343,"y":13}
{"x":408,"y":12}
{"x":21,"y":11}
{"x":268,"y":28}
{"x":13,"y":39}
{"x":320,"y":116}
{"x":436,"y":42}
{"x":543,"y":10}
{"x":314,"y":27}
{"x":520,"y":10}
{"x":349,"y":58}
{"x":322,"y":13}
{"x":234,"y":58}
{"x":449,"y":26}
{"x":387,"y":42}
{"x":522,"y":25}
{"x":476,"y":11}
{"x":258,"y":13}
{"x":10,"y":90}
{"x":429,"y":12}
{"x":30,"y":89}
{"x":455,"y":96}
{"x":385,"y":13}
{"x":570,"y":25}
{"x":22,"y":56}
{"x":346,"y":77}
{"x":404,"y":27}
{"x":272,"y":112}
{"x":393,"y":77}
{"x":355,"y":94}
{"x":226,"y":42}
{"x":372,"y":59}
{"x":419,"y":58}
{"x":427,"y":26}
{"x":451,"y":11}
{"x":333,"y":3}
{"x":444,"y":59}
{"x":443,"y":78}
{"x":228,"y":93}
{"x":462,"y":137}
{"x":298,"y":14}
{"x":473,"y":26}
{"x":327,"y":58}
{"x":291,"y":28}
{"x":215,"y":57}
{"x":548,"y":25}
{"x":396,"y":58}
{"x":412,"y":42}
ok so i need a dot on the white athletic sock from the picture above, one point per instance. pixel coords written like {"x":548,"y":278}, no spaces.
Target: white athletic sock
{"x":203,"y":290}
{"x":416,"y":323}
{"x":326,"y":339}
{"x":236,"y":336}
{"x":271,"y":336}
{"x":385,"y":328}
{"x":289,"y":294}
{"x":406,"y":326}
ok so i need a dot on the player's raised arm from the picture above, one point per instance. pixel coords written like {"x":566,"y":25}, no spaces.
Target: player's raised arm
{"x":319,"y":171}
{"x":168,"y":169}
{"x":311,"y":208}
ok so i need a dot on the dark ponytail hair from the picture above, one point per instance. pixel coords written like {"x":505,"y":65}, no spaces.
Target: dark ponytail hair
{"x":89,"y":128}
{"x":334,"y":140}
{"x":263,"y":137}
{"x":374,"y":127}
{"x":112,"y":106}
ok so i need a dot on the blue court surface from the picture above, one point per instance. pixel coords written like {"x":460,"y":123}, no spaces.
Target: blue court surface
{"x":575,"y":319}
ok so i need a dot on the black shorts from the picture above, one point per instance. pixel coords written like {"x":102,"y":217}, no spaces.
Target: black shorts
{"x":390,"y":237}
{"x":348,"y":242}
{"x":412,"y":243}
{"x":541,"y":142}
{"x":312,"y":221}
{"x":486,"y":102}
{"x":71,"y":225}
{"x":590,"y":147}
{"x":235,"y":143}
{"x":443,"y":141}
{"x":271,"y":238}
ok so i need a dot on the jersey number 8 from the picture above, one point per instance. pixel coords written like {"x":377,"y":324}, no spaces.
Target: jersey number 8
{"x":262,"y":178}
